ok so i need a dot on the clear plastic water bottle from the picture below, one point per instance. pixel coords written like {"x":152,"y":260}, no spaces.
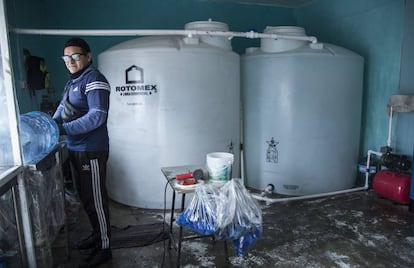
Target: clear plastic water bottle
{"x":39,"y":134}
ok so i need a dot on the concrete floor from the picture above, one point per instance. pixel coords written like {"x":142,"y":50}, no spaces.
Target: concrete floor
{"x":350,"y":230}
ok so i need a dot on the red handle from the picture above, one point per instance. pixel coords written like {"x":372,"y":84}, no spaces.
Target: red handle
{"x":184,"y":176}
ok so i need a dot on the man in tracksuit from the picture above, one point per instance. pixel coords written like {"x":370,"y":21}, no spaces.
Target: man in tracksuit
{"x":82,"y":116}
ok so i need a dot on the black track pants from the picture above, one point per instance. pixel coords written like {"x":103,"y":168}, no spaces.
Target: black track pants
{"x":89,"y":176}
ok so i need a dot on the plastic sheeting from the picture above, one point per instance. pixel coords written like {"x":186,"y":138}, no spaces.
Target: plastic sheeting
{"x":9,"y":242}
{"x":46,"y":204}
{"x":47,"y":211}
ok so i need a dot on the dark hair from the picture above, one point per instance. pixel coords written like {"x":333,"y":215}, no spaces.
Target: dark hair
{"x":78,"y":42}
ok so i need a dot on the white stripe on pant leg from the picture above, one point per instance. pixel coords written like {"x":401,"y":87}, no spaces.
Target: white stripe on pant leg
{"x":99,"y":206}
{"x":97,"y":196}
{"x":96,"y":200}
{"x":98,"y":203}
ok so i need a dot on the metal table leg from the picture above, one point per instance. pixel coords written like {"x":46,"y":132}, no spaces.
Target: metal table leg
{"x":172,"y":220}
{"x":180,"y":236}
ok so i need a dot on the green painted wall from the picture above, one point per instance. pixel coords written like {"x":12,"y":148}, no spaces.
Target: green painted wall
{"x":373,"y":29}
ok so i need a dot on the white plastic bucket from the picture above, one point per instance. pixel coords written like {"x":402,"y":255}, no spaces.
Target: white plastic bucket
{"x":219,"y":166}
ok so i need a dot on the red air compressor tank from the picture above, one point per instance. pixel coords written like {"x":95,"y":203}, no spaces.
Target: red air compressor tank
{"x":393,"y":185}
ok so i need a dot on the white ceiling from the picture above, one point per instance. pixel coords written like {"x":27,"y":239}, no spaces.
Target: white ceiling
{"x":280,"y":3}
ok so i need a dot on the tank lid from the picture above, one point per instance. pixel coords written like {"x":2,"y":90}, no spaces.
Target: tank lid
{"x":281,"y":45}
{"x":285,"y":30}
{"x":217,"y":41}
{"x":207,"y":26}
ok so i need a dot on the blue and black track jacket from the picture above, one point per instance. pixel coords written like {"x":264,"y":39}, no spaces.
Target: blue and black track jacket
{"x":88,"y":92}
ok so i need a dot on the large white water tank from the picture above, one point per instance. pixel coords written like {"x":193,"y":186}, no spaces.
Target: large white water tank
{"x":174,"y":99}
{"x":302,"y":114}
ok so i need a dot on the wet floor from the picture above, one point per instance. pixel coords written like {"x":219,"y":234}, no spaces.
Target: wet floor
{"x":349,"y":230}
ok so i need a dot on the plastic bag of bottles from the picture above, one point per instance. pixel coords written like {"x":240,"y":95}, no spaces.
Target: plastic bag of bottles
{"x":239,"y":218}
{"x":228,"y":213}
{"x":201,"y":216}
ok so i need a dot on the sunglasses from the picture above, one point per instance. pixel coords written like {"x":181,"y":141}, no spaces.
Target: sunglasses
{"x":74,"y":56}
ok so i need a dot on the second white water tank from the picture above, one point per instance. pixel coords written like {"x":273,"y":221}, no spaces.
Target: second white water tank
{"x":302,"y":114}
{"x":174,"y":99}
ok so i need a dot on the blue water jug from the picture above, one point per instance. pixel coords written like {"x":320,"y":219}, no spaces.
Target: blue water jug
{"x":39,"y":134}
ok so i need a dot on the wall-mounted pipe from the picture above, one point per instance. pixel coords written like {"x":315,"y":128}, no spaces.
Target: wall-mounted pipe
{"x":148,"y":32}
{"x":370,"y":152}
{"x":286,"y":199}
{"x":389,"y":128}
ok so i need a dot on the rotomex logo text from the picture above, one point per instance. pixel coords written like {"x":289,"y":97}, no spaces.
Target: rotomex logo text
{"x":134,"y":83}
